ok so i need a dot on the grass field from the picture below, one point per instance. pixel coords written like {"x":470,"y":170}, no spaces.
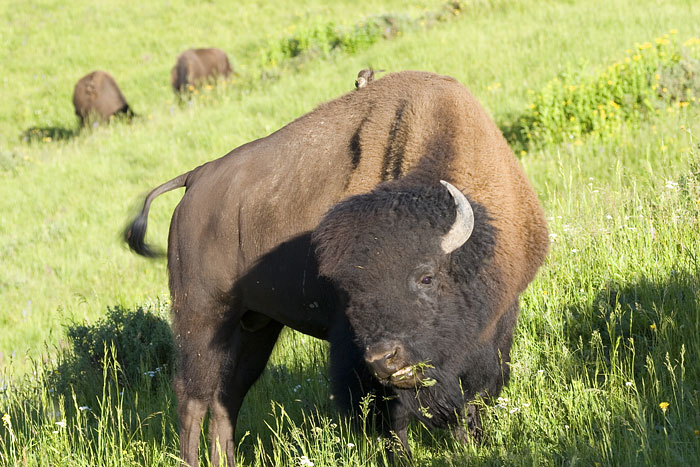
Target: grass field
{"x":606,"y":356}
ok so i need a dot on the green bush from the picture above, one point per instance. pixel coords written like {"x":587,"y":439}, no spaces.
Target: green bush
{"x":139,"y":342}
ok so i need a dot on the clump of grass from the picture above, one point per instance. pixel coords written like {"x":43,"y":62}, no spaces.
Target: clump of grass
{"x":117,"y":426}
{"x":652,"y":77}
{"x":322,"y":39}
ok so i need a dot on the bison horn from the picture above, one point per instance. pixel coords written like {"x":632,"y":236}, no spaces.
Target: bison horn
{"x":462,"y":228}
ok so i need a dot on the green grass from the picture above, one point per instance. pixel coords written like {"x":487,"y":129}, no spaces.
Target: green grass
{"x":608,"y":330}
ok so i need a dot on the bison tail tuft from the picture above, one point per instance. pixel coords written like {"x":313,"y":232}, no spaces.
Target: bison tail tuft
{"x":135,"y":235}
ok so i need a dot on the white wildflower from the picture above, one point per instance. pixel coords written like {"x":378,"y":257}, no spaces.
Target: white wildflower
{"x":83,"y":408}
{"x":514,"y":410}
{"x":303,"y":460}
{"x":62,"y":423}
{"x":351,"y":445}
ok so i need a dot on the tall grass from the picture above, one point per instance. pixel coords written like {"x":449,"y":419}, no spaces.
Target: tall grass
{"x":605,"y":360}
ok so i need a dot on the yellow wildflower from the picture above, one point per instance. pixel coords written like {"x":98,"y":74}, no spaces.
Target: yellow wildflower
{"x":652,"y":326}
{"x":664,"y":405}
{"x":6,"y":420}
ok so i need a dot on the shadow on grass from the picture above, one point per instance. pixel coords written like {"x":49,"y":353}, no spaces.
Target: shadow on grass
{"x":645,"y":332}
{"x":46,"y":134}
{"x":514,"y":128}
{"x":656,"y":315}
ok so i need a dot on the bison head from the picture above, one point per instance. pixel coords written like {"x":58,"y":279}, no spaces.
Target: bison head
{"x":410,"y":262}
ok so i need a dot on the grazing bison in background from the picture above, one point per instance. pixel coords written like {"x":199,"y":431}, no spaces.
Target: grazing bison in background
{"x":412,"y":306}
{"x":195,"y":66}
{"x":97,"y":97}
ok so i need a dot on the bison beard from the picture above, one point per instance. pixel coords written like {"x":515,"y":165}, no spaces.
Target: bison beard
{"x":369,"y":246}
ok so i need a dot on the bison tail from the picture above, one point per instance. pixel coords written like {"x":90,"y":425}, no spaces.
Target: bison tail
{"x":135,"y":232}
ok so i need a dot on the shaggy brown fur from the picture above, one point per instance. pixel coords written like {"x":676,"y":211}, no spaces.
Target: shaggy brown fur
{"x":239,"y":255}
{"x":97,"y":97}
{"x":197,"y":66}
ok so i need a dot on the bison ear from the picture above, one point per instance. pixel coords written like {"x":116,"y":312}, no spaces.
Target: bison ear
{"x":463,"y":225}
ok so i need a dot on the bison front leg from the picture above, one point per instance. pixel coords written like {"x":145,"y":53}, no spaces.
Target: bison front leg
{"x":399,"y":453}
{"x":249,"y":352}
{"x":469,"y":428}
{"x":191,"y":413}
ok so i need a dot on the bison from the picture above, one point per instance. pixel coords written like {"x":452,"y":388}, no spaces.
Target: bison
{"x":196,"y":66}
{"x":414,"y":306}
{"x":97,"y":97}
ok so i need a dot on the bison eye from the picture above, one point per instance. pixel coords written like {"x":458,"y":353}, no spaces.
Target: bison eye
{"x":426,"y":280}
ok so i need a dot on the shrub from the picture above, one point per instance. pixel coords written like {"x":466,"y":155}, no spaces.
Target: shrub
{"x":138,"y":341}
{"x":651,"y":77}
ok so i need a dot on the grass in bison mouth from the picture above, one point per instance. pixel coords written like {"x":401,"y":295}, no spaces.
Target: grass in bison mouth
{"x":411,"y":376}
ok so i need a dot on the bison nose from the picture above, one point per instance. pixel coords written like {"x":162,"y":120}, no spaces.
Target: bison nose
{"x":385,"y":359}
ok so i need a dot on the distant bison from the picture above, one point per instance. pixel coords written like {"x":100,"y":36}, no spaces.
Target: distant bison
{"x":97,"y":97}
{"x":418,"y":286}
{"x":196,"y":66}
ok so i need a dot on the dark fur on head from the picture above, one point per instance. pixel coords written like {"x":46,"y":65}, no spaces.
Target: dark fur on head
{"x":373,"y":246}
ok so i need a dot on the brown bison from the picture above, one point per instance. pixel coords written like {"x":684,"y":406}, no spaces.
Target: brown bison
{"x":97,"y":97}
{"x":419,"y":292}
{"x":196,"y":66}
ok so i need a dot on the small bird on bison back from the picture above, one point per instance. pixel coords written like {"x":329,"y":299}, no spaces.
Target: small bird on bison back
{"x":195,"y":67}
{"x":364,"y":77}
{"x":96,"y":97}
